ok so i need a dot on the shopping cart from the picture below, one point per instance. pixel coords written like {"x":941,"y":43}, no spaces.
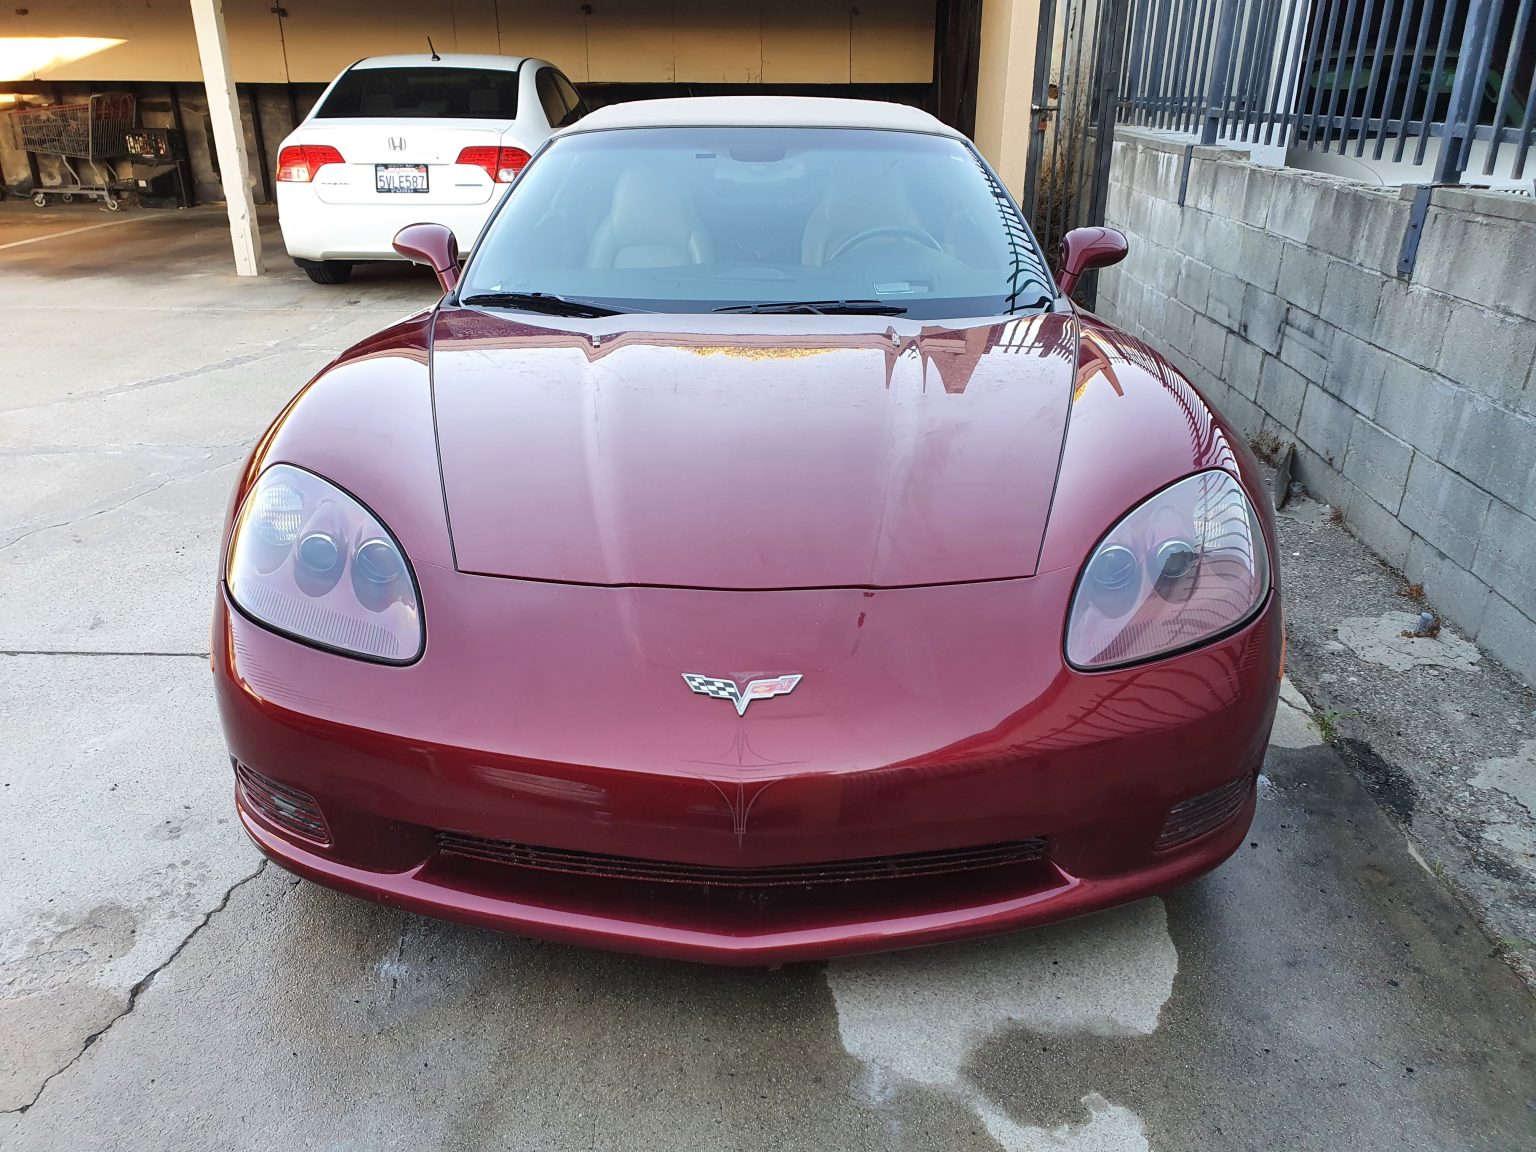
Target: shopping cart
{"x":91,"y":131}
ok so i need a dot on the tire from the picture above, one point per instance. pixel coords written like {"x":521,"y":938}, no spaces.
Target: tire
{"x":40,"y":199}
{"x":113,"y":203}
{"x":327,"y":271}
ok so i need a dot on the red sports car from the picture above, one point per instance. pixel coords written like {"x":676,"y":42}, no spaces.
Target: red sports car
{"x":754,"y":556}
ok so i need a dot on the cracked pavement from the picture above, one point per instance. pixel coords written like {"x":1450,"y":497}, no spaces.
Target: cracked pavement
{"x":160,"y":988}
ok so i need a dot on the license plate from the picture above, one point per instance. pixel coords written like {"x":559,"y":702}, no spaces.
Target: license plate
{"x":400,"y":177}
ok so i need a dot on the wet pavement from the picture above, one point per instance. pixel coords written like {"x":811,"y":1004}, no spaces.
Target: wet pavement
{"x":160,"y":988}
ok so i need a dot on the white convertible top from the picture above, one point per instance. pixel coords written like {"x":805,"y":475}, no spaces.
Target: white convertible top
{"x":445,"y":60}
{"x":761,"y":112}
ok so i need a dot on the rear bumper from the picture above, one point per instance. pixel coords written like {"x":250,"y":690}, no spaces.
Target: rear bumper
{"x":314,"y":230}
{"x":583,"y":738}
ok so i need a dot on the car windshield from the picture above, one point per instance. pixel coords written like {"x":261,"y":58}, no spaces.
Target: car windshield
{"x":455,"y":93}
{"x":771,"y":219}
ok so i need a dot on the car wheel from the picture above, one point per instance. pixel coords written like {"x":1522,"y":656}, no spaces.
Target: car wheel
{"x":326,"y":271}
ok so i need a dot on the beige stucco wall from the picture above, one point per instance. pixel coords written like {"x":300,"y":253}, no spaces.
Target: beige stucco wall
{"x":1004,"y":85}
{"x":702,"y":41}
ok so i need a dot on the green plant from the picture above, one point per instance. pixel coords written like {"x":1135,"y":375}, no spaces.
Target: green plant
{"x":1327,"y":724}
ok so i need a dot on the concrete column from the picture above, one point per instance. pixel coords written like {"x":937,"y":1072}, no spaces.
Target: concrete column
{"x":1005,"y":79}
{"x":228,"y":134}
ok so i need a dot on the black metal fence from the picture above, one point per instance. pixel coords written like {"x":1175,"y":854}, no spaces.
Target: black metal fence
{"x":1346,"y":76}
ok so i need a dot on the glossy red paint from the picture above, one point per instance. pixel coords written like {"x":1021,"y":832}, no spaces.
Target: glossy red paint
{"x":936,"y":710}
{"x":433,"y":245}
{"x":1086,"y":248}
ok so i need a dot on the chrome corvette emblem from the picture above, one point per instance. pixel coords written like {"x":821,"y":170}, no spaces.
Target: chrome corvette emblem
{"x":741,"y":697}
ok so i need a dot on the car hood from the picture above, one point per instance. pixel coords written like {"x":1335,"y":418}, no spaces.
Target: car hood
{"x":749,"y":452}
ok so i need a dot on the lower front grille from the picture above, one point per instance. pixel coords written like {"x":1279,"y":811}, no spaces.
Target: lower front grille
{"x":1200,"y":814}
{"x":913,"y":865}
{"x":285,"y":806}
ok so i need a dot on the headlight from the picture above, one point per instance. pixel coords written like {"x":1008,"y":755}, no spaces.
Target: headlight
{"x":309,"y":561}
{"x":1185,"y":565}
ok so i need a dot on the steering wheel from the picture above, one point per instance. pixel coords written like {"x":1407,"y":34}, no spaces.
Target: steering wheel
{"x":912,"y":233}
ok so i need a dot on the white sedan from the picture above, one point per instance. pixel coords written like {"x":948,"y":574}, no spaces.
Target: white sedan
{"x":396,"y":140}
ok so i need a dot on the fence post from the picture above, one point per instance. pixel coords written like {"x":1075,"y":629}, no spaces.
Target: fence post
{"x":1466,"y":95}
{"x":1216,"y":92}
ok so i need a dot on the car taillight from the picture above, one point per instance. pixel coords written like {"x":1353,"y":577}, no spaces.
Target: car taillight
{"x":500,"y":164}
{"x":298,"y":163}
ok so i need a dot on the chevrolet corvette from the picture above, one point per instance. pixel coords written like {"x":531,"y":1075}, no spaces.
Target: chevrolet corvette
{"x":754,"y":556}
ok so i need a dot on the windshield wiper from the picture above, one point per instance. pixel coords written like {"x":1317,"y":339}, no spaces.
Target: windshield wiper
{"x":823,"y":307}
{"x":546,"y":302}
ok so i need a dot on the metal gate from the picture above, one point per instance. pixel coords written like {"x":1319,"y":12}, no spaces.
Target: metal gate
{"x":1078,"y":58}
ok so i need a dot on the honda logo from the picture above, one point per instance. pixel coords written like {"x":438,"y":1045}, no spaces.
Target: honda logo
{"x":397,"y":143}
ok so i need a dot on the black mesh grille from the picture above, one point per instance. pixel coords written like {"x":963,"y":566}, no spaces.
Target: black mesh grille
{"x":1199,"y":814}
{"x":287,"y":807}
{"x":873,"y":868}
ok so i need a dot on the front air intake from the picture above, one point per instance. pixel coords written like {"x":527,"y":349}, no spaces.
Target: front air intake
{"x":1200,"y":814}
{"x":283,"y":805}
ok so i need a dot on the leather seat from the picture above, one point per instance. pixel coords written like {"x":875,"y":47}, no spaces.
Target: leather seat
{"x":850,"y":205}
{"x":651,"y":224}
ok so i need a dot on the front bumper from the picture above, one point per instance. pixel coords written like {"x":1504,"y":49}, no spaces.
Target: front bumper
{"x":921,"y":727}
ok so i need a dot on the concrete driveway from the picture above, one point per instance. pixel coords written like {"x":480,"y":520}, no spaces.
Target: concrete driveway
{"x":161,"y":988}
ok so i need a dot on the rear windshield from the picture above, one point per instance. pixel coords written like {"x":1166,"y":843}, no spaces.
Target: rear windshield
{"x":463,"y":93}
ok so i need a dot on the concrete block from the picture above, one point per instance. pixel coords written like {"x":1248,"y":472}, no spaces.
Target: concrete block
{"x":1263,"y":317}
{"x":1154,"y":311}
{"x":1411,"y":322}
{"x":1416,"y":405}
{"x":1352,"y":296}
{"x":1325,"y":425}
{"x":1382,"y":532}
{"x":1445,"y":509}
{"x":1210,"y":344}
{"x":1482,"y":259}
{"x":1323,"y":480}
{"x":1242,"y":365}
{"x":1377,"y":463}
{"x":1451,"y":590}
{"x":1305,"y":344}
{"x":1225,"y":302}
{"x":1281,"y":391}
{"x":1506,"y":556}
{"x":1193,"y":285}
{"x":1179,"y":327}
{"x":1360,"y":224}
{"x":1302,"y":271}
{"x":1258,"y":257}
{"x":1487,"y":351}
{"x":1355,"y":372}
{"x":1224,"y":248}
{"x":1258,"y":195}
{"x":1509,"y":635}
{"x":1495,"y":448}
{"x":1291,"y":208}
{"x":1241,"y":413}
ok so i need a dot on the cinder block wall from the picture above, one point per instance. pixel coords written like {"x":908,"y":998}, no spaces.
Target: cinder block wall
{"x":1412,"y":403}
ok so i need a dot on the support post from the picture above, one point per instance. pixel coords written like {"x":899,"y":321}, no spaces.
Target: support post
{"x":1466,"y":95}
{"x":1216,"y":98}
{"x":228,"y":134}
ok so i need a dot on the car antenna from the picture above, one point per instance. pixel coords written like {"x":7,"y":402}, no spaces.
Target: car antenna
{"x":432,"y":50}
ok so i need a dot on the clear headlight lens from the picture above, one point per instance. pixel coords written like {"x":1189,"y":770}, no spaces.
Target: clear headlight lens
{"x":309,"y":561}
{"x":1185,"y":565}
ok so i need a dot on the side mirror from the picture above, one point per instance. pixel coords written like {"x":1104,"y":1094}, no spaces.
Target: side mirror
{"x":432,"y":245}
{"x":1086,"y":248}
